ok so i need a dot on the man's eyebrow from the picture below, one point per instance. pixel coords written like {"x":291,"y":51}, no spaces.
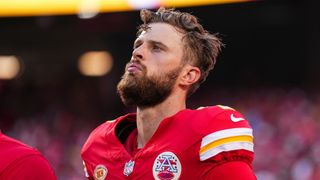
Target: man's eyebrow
{"x":136,"y":42}
{"x":152,"y":42}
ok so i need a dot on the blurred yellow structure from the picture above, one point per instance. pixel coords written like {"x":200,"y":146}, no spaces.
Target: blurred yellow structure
{"x":9,"y":67}
{"x":9,"y":8}
{"x":95,"y":63}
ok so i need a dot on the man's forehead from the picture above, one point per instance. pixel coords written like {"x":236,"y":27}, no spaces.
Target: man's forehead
{"x":160,"y":31}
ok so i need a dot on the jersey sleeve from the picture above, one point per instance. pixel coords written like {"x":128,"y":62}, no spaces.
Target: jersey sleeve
{"x":227,"y":136}
{"x":230,"y":171}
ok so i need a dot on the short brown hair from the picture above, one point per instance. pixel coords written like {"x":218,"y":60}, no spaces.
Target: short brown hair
{"x":201,"y":47}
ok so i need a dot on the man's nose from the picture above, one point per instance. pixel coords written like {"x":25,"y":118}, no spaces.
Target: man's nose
{"x":139,"y":52}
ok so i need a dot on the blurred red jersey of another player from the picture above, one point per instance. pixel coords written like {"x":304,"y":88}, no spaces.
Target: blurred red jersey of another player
{"x":19,"y":161}
{"x":189,"y":145}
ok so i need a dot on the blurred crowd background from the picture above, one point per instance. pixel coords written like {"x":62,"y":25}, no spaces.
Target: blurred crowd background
{"x":268,"y":70}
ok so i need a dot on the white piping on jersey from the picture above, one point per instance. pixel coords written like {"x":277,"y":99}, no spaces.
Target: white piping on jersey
{"x":226,"y":147}
{"x":225,"y":134}
{"x":226,"y":140}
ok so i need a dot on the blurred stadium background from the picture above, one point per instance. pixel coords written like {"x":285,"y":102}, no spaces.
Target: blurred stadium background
{"x":60,"y":63}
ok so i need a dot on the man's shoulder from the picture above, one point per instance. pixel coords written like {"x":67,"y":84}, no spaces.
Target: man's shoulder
{"x":101,"y":131}
{"x":12,"y":150}
{"x":213,"y":113}
{"x":104,"y":133}
{"x":9,"y":145}
{"x":107,"y":127}
{"x":213,"y":110}
{"x":207,"y":120}
{"x":226,"y":132}
{"x":103,"y":128}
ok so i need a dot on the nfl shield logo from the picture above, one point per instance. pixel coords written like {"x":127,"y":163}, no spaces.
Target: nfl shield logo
{"x":128,"y":168}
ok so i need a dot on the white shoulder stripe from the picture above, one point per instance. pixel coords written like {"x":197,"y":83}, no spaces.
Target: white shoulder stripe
{"x":225,"y":134}
{"x":226,"y":147}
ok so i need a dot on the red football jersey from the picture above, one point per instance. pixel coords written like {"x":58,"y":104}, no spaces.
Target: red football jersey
{"x":187,"y":145}
{"x":18,"y":161}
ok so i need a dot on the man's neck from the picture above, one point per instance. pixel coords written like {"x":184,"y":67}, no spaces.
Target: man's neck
{"x":149,"y":118}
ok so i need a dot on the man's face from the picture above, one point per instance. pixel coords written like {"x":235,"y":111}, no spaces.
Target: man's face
{"x":155,"y":65}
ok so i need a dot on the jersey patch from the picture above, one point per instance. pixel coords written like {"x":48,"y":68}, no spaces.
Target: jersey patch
{"x":167,"y":166}
{"x":226,"y":140}
{"x":100,"y":172}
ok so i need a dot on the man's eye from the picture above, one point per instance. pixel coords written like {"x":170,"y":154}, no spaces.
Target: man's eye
{"x":135,"y":47}
{"x":156,"y":48}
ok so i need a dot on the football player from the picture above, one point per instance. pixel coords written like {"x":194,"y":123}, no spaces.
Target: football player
{"x":19,"y":161}
{"x":172,"y":55}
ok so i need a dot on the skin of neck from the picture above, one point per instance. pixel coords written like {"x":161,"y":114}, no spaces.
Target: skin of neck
{"x":149,"y":118}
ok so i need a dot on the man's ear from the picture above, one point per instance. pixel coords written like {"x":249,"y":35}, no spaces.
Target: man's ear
{"x":190,"y":75}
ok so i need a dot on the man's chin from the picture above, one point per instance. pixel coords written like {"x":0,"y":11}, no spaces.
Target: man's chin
{"x":133,"y":76}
